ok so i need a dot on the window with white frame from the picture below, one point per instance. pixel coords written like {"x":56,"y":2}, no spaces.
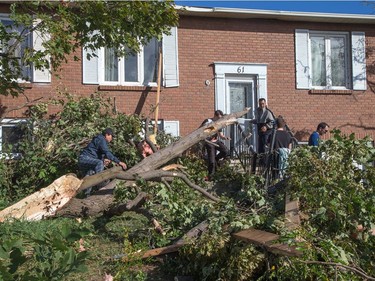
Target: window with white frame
{"x":330,"y":60}
{"x":134,"y":69}
{"x":104,"y":68}
{"x":17,"y":46}
{"x":11,"y":132}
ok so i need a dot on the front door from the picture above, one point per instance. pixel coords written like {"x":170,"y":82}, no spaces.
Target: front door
{"x":241,"y":94}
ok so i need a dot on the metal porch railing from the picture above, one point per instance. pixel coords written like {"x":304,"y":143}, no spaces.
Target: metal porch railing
{"x":242,"y":149}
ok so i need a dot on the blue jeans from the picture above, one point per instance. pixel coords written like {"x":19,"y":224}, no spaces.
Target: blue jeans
{"x":90,"y":165}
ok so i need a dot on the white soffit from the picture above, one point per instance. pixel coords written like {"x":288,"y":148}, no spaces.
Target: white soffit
{"x":277,"y":15}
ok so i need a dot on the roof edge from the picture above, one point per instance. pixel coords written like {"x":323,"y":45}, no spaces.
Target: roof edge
{"x":270,"y":14}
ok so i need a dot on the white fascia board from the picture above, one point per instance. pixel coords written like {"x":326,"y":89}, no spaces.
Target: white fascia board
{"x":281,"y":15}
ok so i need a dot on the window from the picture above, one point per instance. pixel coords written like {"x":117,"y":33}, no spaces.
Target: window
{"x":14,"y":49}
{"x":330,"y":60}
{"x":27,"y":39}
{"x":11,"y":132}
{"x":134,"y":69}
{"x":103,"y":67}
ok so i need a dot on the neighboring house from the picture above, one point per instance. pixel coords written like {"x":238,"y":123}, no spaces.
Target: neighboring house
{"x":311,"y":67}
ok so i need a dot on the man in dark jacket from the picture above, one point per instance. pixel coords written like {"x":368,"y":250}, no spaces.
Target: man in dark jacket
{"x":91,"y":159}
{"x":215,"y":148}
{"x":264,"y":119}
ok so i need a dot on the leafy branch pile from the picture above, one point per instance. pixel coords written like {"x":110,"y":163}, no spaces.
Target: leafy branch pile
{"x":51,"y":144}
{"x":334,"y":183}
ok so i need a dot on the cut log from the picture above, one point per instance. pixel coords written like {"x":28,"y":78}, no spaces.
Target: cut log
{"x":46,"y":202}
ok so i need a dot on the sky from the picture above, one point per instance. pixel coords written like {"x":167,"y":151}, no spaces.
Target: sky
{"x":343,"y":7}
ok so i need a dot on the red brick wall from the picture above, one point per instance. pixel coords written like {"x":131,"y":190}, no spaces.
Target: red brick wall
{"x":203,"y":41}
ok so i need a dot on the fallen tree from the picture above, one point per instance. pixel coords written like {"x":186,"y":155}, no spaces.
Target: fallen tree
{"x":147,"y":169}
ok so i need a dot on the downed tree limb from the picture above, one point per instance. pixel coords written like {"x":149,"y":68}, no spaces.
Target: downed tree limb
{"x":162,"y":156}
{"x":158,"y":174}
{"x":101,"y":202}
{"x":191,"y":235}
{"x":44,"y":203}
{"x":342,"y":267}
{"x":150,"y":253}
{"x":158,"y":227}
{"x":268,"y":241}
{"x":131,"y":205}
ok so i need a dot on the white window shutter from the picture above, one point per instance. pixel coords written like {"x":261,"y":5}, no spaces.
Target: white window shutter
{"x":170,"y":59}
{"x":359,"y":61}
{"x":90,"y":67}
{"x":302,"y":59}
{"x":40,"y":75}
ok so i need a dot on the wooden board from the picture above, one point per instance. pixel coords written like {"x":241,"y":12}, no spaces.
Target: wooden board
{"x":45,"y":202}
{"x":292,"y":217}
{"x":267,"y":240}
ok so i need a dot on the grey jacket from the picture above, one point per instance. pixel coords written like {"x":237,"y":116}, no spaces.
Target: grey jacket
{"x":264,"y":117}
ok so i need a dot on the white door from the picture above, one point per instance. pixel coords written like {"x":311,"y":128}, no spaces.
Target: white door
{"x":241,"y":94}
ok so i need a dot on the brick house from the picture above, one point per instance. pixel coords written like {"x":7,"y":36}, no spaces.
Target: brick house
{"x":311,"y":67}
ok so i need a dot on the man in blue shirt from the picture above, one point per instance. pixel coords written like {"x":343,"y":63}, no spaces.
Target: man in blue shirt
{"x":320,"y":131}
{"x":91,"y":159}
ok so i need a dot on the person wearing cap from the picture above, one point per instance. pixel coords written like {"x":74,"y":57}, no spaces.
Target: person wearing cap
{"x":91,"y":158}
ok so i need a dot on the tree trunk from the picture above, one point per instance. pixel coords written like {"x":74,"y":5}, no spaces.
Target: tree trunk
{"x":45,"y":202}
{"x":63,"y":203}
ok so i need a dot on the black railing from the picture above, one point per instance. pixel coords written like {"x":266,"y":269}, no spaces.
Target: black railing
{"x":266,"y":164}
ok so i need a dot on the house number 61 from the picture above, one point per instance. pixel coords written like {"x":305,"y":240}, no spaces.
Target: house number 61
{"x":241,"y":69}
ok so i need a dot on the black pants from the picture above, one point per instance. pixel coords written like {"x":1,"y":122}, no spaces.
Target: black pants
{"x":263,"y":140}
{"x":212,"y":155}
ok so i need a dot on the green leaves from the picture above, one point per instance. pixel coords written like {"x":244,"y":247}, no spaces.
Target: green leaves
{"x":40,"y":255}
{"x":51,"y":146}
{"x":122,"y":25}
{"x":335,"y":185}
